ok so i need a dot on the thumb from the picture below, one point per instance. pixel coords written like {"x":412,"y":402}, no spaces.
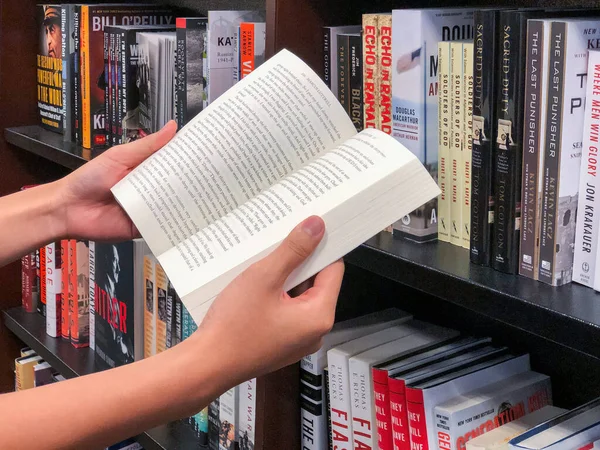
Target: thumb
{"x":294,"y":249}
{"x":134,"y":153}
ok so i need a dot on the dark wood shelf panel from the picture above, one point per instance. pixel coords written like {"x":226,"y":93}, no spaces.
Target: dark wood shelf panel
{"x":569,"y":315}
{"x":72,"y":362}
{"x":49,"y":145}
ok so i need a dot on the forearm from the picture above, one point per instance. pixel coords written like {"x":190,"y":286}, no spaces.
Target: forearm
{"x":29,"y":219}
{"x":95,"y":411}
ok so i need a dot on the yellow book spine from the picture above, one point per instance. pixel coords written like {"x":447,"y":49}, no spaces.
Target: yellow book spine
{"x":444,"y":139}
{"x":468,"y":141}
{"x":149,"y":307}
{"x":160,"y":316}
{"x":456,"y":57}
{"x":84,"y":50}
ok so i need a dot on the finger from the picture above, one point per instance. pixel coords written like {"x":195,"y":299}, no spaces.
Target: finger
{"x":302,"y":287}
{"x":134,"y":153}
{"x":327,"y":284}
{"x":294,"y":249}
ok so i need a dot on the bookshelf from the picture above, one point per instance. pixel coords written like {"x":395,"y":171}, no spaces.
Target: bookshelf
{"x":559,"y":326}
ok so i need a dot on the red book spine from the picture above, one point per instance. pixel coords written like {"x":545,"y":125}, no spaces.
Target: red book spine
{"x":26,"y":283}
{"x":64,"y":282}
{"x":382,"y":409}
{"x":415,"y":408}
{"x":399,"y":416}
{"x":42,"y":275}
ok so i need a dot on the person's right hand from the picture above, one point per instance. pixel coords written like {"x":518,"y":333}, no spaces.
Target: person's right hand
{"x":255,"y":327}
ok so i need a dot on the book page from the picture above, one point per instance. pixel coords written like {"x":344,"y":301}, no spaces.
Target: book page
{"x":269,"y":124}
{"x":357,"y":188}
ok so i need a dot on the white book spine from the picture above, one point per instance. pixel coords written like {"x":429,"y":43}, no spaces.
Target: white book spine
{"x":92,"y":315}
{"x":228,"y":407}
{"x":247,"y":414}
{"x":364,"y":425}
{"x":339,"y":392}
{"x":53,"y":289}
{"x":588,"y":208}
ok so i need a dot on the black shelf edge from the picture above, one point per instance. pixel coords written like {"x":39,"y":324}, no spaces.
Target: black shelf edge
{"x":569,"y":314}
{"x":72,"y":362}
{"x":49,"y":145}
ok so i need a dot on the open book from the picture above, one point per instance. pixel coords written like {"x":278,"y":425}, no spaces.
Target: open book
{"x":274,"y":149}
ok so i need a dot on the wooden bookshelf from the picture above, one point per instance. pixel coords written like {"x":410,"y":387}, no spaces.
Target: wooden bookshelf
{"x":559,"y":326}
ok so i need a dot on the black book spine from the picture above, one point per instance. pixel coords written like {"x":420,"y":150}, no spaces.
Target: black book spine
{"x":327,"y":56}
{"x":356,"y":81}
{"x":551,"y":152}
{"x":509,"y":141}
{"x":181,"y":80}
{"x":108,"y":43}
{"x":531,"y":149}
{"x":343,"y":62}
{"x":76,"y":79}
{"x":485,"y":78}
{"x":214,"y":424}
{"x":121,"y":82}
{"x":65,"y":26}
{"x":170,"y":309}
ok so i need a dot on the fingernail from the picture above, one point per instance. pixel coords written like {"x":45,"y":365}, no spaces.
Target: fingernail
{"x":313,"y":226}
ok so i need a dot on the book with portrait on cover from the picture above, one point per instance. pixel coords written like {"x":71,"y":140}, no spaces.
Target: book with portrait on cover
{"x":273,"y":150}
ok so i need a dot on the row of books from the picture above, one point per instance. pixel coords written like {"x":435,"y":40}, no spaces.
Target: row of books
{"x":475,"y":95}
{"x":32,"y":371}
{"x":110,"y":73}
{"x":389,"y":381}
{"x":117,"y":300}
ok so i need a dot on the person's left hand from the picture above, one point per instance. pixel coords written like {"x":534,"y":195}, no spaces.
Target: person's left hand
{"x":90,"y":210}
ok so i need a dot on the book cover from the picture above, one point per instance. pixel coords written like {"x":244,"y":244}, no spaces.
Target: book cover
{"x":49,"y":68}
{"x":222,"y":29}
{"x":415,"y":37}
{"x":564,"y":135}
{"x":191,"y":32}
{"x":586,"y":223}
{"x":118,"y":292}
{"x":93,"y":20}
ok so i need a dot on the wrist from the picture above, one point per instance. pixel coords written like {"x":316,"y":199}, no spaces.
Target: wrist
{"x":57,"y":212}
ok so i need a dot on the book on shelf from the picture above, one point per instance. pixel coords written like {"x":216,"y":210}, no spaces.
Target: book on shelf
{"x":322,"y":167}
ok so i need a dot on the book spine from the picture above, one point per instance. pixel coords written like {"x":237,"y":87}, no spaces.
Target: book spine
{"x":531,"y":149}
{"x":327,"y":409}
{"x":339,"y":387}
{"x":65,"y":26}
{"x":107,"y":54}
{"x":444,"y":117}
{"x":399,"y":415}
{"x":456,"y":56}
{"x":80,"y":277}
{"x":415,"y":408}
{"x":384,"y":72}
{"x":343,"y":70}
{"x":554,"y":131}
{"x":508,"y":154}
{"x":383,"y":414}
{"x":41,"y":306}
{"x":122,"y":80}
{"x":364,"y":428}
{"x":247,"y":59}
{"x":160,"y":316}
{"x":326,"y":56}
{"x":228,"y":407}
{"x":214,"y":424}
{"x":53,"y":287}
{"x":76,"y":76}
{"x":35,"y":289}
{"x":149,"y":308}
{"x":65,"y":324}
{"x":588,"y":209}
{"x":468,"y":142}
{"x":169,"y":329}
{"x":484,"y":78}
{"x":181,"y":80}
{"x":114,"y":102}
{"x":247,"y":415}
{"x":26,"y":283}
{"x":178,"y":318}
{"x":355,"y":88}
{"x":370,"y":71}
{"x":313,"y":428}
{"x":72,"y":282}
{"x":92,"y":294}
{"x":84,"y":50}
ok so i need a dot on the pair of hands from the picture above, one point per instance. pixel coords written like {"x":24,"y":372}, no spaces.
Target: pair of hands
{"x":254,"y":325}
